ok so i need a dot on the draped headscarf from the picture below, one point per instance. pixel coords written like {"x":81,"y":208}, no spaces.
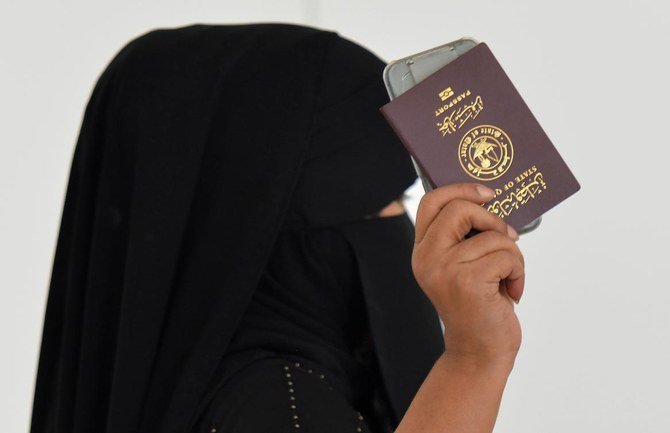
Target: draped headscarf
{"x":197,"y":144}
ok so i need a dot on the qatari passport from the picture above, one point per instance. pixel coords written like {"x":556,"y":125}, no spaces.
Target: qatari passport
{"x":468,"y":123}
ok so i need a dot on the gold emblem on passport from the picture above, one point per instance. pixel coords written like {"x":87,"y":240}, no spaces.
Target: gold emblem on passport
{"x":485,"y":152}
{"x":446,"y":93}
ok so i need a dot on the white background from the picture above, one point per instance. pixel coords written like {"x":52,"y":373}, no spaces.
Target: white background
{"x":596,"y":342}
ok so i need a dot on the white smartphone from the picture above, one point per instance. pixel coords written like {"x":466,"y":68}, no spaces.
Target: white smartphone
{"x":403,"y":74}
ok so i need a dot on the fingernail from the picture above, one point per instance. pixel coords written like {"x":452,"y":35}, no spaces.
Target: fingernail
{"x":512,"y":233}
{"x":516,"y":301}
{"x":485,"y":192}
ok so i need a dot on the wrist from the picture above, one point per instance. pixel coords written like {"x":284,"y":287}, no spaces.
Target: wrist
{"x":479,"y":364}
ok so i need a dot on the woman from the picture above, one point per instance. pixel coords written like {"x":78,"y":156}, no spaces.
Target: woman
{"x":230,"y":257}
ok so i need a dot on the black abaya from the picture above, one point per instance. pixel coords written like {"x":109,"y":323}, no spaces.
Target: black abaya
{"x":198,"y":146}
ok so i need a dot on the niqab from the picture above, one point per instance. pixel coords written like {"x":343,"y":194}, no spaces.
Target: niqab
{"x":197,"y":145}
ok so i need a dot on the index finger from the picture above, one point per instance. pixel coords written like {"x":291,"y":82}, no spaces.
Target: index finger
{"x":433,"y":201}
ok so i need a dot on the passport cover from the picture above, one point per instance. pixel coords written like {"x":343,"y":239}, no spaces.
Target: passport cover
{"x":468,"y":123}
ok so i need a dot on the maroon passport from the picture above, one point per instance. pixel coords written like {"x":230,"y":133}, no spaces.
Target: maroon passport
{"x":468,"y":123}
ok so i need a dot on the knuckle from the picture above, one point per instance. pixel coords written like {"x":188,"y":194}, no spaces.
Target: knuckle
{"x":425,"y":199}
{"x":456,"y":205}
{"x":462,"y":221}
{"x":511,"y":250}
{"x":508,"y":257}
{"x":458,"y":211}
{"x":506,"y":242}
{"x":429,"y":199}
{"x":495,"y":237}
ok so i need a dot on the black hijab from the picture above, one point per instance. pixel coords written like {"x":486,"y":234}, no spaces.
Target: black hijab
{"x":198,"y":143}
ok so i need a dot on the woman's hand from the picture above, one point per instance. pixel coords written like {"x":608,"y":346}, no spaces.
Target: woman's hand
{"x":471,"y":282}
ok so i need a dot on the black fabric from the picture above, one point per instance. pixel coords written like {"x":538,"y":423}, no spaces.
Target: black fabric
{"x":282,"y":396}
{"x":197,"y":145}
{"x":309,"y":305}
{"x":405,"y":327}
{"x":355,"y":165}
{"x":320,"y":292}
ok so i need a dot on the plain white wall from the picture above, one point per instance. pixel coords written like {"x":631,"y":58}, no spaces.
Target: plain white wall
{"x":596,"y":328}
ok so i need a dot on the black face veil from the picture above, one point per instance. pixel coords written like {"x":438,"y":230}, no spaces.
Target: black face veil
{"x":197,"y":144}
